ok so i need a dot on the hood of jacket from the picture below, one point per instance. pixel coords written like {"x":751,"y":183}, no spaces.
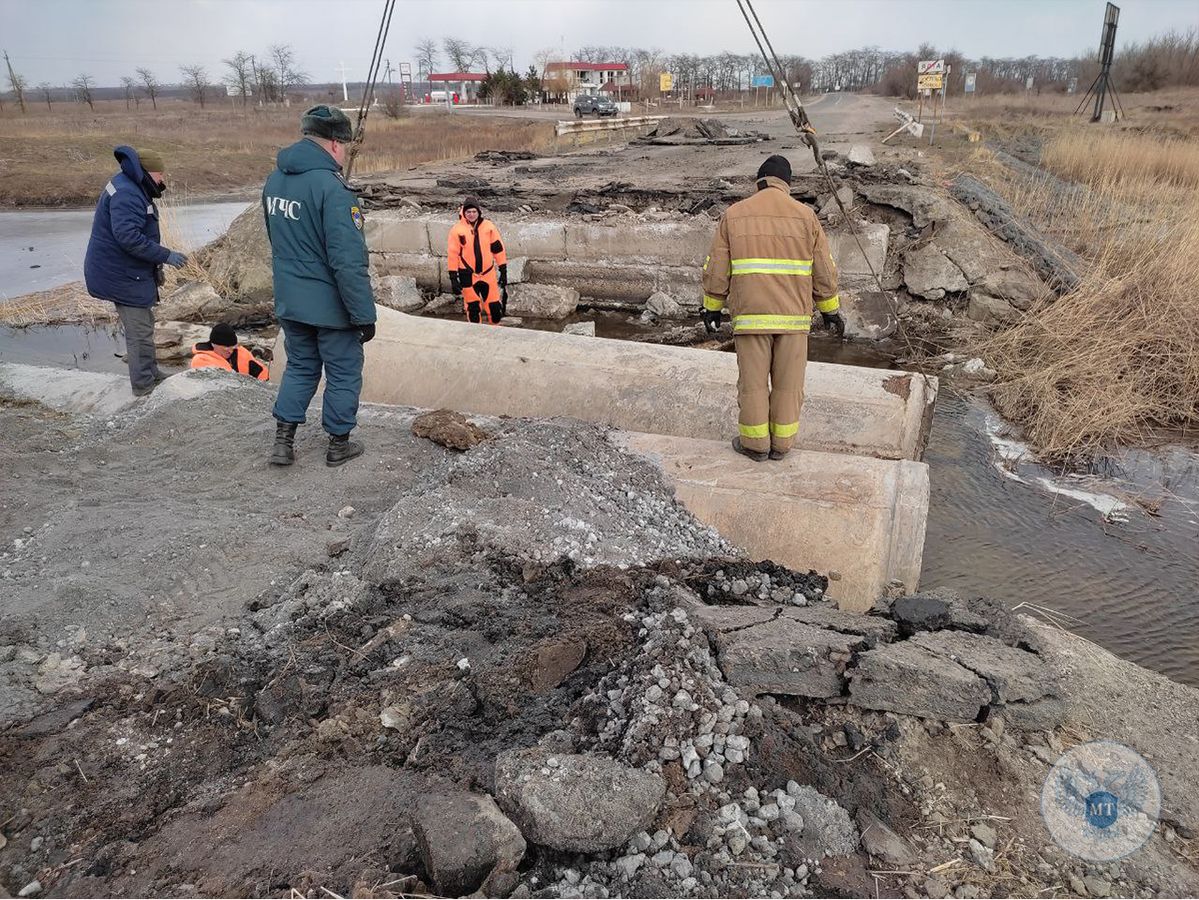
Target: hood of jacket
{"x":131,"y":166}
{"x":463,"y":220}
{"x":305,"y":156}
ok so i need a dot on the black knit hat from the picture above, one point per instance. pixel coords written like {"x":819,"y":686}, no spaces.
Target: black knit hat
{"x":471,"y":203}
{"x":327,"y":122}
{"x":223,"y":335}
{"x":776,"y":166}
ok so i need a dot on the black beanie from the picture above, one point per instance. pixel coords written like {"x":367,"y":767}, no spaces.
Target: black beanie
{"x":471,"y":203}
{"x":776,"y":166}
{"x":223,"y":335}
{"x":327,"y":122}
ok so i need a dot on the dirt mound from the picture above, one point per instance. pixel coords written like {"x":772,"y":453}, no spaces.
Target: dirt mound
{"x":449,"y":429}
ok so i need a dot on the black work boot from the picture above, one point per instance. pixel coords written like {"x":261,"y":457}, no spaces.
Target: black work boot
{"x":755,"y":455}
{"x":284,"y":453}
{"x":342,"y":450}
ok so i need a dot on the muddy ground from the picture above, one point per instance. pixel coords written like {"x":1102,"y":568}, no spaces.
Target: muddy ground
{"x":223,"y":679}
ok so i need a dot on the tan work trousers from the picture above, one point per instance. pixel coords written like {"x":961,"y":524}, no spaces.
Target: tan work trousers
{"x":770,"y":388}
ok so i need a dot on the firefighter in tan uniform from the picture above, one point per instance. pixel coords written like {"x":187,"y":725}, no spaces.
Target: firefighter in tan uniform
{"x":769,"y":265}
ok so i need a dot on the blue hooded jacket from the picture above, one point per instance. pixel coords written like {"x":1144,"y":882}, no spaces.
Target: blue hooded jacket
{"x":124,"y":250}
{"x":318,"y":250}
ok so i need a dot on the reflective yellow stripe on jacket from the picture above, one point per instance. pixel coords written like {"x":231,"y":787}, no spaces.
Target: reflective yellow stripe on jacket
{"x":766,"y":266}
{"x":831,"y":305}
{"x":713,"y":304}
{"x":745,"y":324}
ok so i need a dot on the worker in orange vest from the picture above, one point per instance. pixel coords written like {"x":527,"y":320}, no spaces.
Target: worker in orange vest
{"x":222,"y":351}
{"x":478,"y":265}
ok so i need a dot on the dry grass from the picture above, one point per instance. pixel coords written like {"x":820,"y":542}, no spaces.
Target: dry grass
{"x":64,"y":157}
{"x":68,"y":304}
{"x":1117,"y":360}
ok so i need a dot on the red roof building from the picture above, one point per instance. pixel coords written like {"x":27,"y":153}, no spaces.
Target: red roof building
{"x":457,"y":76}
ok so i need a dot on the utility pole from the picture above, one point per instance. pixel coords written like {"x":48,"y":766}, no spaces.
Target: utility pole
{"x":345,"y":91}
{"x":12,"y":79}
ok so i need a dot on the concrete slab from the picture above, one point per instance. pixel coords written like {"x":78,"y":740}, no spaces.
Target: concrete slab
{"x":849,"y":258}
{"x":537,"y":240}
{"x":388,"y":232}
{"x":908,"y":679}
{"x":426,"y":362}
{"x":663,"y":243}
{"x":66,"y":390}
{"x":786,"y":657}
{"x":859,"y":520}
{"x":633,"y":283}
{"x":428,"y":270}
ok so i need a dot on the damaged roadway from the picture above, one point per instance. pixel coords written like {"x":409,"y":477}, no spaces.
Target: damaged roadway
{"x":520,"y":667}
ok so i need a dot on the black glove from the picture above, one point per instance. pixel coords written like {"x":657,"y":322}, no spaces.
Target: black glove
{"x":711,"y":319}
{"x":504,"y":275}
{"x":504,"y":297}
{"x":455,"y":285}
{"x":465,"y":279}
{"x":834,"y":323}
{"x":366,"y":332}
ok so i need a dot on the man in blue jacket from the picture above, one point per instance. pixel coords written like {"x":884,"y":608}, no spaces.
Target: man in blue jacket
{"x":125,"y":257}
{"x":323,"y":298}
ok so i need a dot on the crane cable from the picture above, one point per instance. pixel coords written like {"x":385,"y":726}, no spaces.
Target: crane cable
{"x":368,"y":90}
{"x":803,"y":125}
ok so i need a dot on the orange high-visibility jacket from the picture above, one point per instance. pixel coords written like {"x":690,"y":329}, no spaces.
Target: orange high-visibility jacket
{"x":476,"y":247}
{"x":241,"y":361}
{"x":770,"y":264}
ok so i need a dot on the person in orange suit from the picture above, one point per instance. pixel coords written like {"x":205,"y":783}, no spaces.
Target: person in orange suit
{"x":222,"y":351}
{"x":478,"y":265}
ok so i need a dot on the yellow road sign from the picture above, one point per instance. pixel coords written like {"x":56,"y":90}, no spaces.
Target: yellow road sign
{"x":930,"y":82}
{"x":665,"y":82}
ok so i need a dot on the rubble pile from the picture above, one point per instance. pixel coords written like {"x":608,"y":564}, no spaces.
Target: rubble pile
{"x":672,"y":131}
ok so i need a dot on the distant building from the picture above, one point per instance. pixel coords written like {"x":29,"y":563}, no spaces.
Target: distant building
{"x":464,"y":84}
{"x":566,"y":80}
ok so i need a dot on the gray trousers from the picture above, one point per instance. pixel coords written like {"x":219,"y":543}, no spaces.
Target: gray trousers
{"x":138,"y":325}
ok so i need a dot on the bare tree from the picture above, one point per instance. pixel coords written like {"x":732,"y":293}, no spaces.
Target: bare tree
{"x":503,"y":57}
{"x":240,"y":74}
{"x":266,"y":81}
{"x":287,"y":72}
{"x":427,"y":55}
{"x":195,"y":79}
{"x":83,"y":85}
{"x":44,"y":89}
{"x":130,"y":87}
{"x":459,"y":53}
{"x":480,"y":57}
{"x":150,"y":85}
{"x":17,"y":83}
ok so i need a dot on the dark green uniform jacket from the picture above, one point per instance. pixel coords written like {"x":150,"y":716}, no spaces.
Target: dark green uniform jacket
{"x":317,"y":246}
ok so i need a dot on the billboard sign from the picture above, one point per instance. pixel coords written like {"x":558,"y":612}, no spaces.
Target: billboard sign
{"x":665,"y":82}
{"x":760,"y":81}
{"x":971,"y":78}
{"x":931,"y":67}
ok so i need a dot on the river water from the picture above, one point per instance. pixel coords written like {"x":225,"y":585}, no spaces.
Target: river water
{"x":1084,"y":553}
{"x":41,"y":249}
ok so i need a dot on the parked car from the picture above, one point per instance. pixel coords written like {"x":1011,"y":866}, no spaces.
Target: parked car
{"x":599,"y":104}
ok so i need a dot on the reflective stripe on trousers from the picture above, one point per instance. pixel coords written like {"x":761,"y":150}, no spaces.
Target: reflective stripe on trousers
{"x":770,"y":384}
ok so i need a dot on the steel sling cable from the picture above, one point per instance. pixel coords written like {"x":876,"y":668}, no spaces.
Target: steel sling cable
{"x":368,"y":90}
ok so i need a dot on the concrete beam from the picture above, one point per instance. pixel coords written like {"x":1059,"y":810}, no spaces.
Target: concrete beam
{"x":663,"y":243}
{"x":860,"y":521}
{"x":431,"y":363}
{"x":848,"y":256}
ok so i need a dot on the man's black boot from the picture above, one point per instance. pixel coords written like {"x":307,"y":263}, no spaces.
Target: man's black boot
{"x":342,"y":450}
{"x":284,"y":453}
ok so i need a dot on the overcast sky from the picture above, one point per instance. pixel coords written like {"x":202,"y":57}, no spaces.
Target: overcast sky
{"x":55,"y":40}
